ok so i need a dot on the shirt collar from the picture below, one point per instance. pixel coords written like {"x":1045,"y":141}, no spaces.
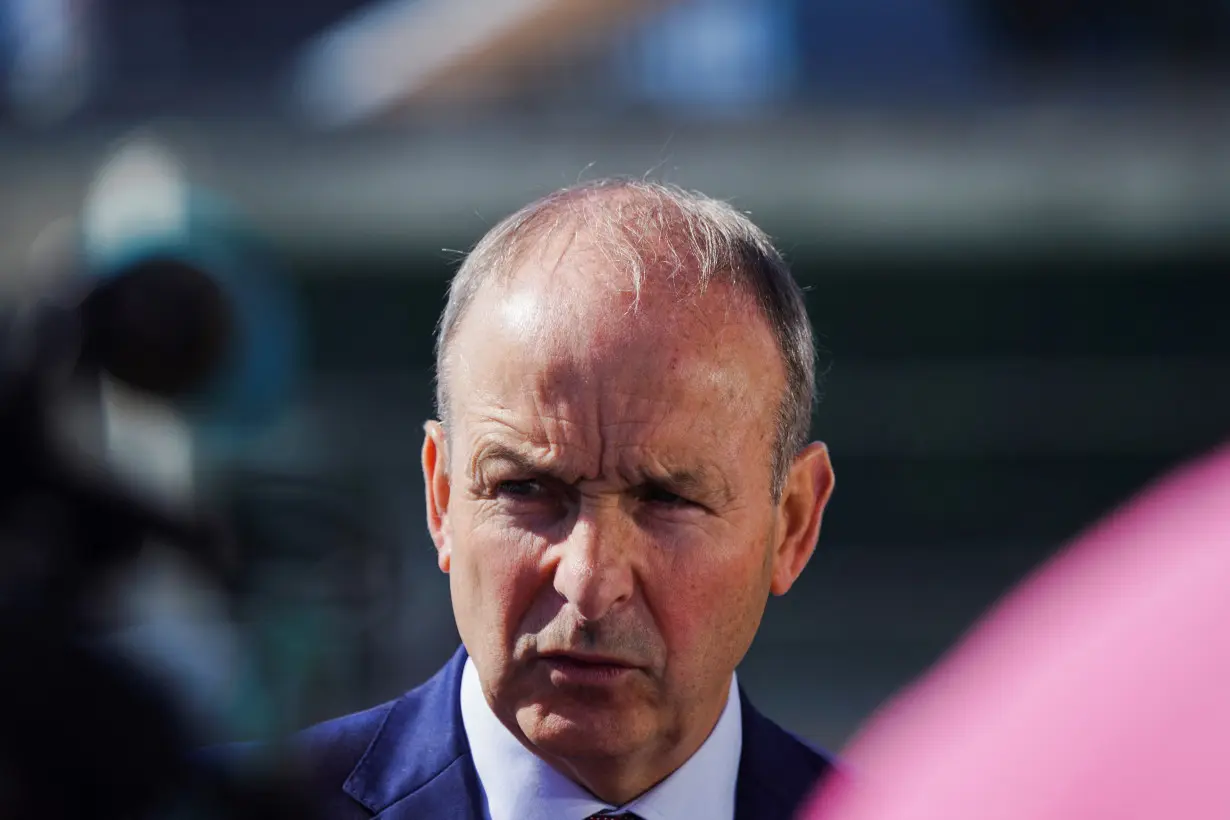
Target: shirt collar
{"x":518,"y":785}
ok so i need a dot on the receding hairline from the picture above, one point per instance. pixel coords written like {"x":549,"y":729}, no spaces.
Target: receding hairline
{"x":634,"y":224}
{"x":644,"y":226}
{"x":646,"y":220}
{"x":593,"y":223}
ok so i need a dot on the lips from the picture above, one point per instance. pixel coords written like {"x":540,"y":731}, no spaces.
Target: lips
{"x":584,"y":659}
{"x":580,"y":669}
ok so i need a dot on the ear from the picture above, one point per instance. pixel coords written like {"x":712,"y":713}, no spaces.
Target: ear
{"x":436,"y":479}
{"x":808,"y":487}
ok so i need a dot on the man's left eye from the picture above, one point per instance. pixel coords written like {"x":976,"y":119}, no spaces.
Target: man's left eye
{"x":659,"y":495}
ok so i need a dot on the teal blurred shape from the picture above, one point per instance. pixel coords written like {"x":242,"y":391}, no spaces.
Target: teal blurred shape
{"x":257,"y":379}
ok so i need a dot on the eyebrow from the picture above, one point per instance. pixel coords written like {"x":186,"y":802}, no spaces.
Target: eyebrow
{"x":504,"y":453}
{"x":686,"y":482}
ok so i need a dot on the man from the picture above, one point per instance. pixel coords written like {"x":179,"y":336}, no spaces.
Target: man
{"x":619,"y":478}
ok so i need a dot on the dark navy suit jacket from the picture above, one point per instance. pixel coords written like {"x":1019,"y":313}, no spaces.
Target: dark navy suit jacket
{"x":409,"y":758}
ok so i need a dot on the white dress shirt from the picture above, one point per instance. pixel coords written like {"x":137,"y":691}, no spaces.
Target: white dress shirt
{"x":518,"y":785}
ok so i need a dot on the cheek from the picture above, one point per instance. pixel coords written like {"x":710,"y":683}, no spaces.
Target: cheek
{"x":495,"y":575}
{"x":709,"y":603}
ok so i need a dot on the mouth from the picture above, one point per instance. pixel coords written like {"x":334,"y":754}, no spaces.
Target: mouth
{"x":567,"y":668}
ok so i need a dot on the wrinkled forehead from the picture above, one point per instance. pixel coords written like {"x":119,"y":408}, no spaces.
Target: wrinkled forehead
{"x":608,"y":286}
{"x":563,"y":352}
{"x":530,"y":344}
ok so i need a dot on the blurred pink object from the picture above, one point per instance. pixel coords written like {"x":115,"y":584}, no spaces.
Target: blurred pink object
{"x":1098,"y":690}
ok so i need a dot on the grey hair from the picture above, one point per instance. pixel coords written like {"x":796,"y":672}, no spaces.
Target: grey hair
{"x":644,"y":226}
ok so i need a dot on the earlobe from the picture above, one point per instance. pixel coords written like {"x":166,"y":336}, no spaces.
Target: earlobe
{"x":437,"y":485}
{"x":807,"y":492}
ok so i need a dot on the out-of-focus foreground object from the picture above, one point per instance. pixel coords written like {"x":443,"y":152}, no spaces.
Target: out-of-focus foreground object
{"x":1097,"y":690}
{"x":99,"y":367}
{"x":142,"y":206}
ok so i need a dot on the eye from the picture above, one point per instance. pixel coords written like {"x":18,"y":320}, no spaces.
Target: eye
{"x":653,"y":494}
{"x":525,"y":488}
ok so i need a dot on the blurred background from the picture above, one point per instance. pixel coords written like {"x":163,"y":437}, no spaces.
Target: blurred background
{"x":1010,"y":215}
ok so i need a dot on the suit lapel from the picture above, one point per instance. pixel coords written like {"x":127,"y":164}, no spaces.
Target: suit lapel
{"x":418,"y":765}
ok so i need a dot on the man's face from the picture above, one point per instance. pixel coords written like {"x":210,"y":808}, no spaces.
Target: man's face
{"x":606,"y":517}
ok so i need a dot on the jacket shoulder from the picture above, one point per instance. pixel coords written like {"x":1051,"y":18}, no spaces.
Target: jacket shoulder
{"x":361,"y":763}
{"x":778,"y":770}
{"x":319,"y":758}
{"x":331,"y":749}
{"x":811,"y":761}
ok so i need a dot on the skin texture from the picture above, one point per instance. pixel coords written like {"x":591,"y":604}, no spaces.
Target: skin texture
{"x":605,"y":491}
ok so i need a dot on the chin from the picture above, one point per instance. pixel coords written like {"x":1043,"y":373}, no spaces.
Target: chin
{"x":582,"y":730}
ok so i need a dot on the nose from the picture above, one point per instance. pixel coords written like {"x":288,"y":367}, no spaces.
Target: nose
{"x":594,"y":572}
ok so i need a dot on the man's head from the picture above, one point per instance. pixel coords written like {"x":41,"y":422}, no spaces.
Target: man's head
{"x":620,"y":478}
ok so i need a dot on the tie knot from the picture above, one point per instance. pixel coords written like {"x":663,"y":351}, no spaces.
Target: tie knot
{"x":623,"y":815}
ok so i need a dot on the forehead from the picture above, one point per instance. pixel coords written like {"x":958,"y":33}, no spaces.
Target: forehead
{"x":566,"y":353}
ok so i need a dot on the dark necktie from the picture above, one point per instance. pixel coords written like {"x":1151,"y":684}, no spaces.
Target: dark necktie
{"x":624,"y":815}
